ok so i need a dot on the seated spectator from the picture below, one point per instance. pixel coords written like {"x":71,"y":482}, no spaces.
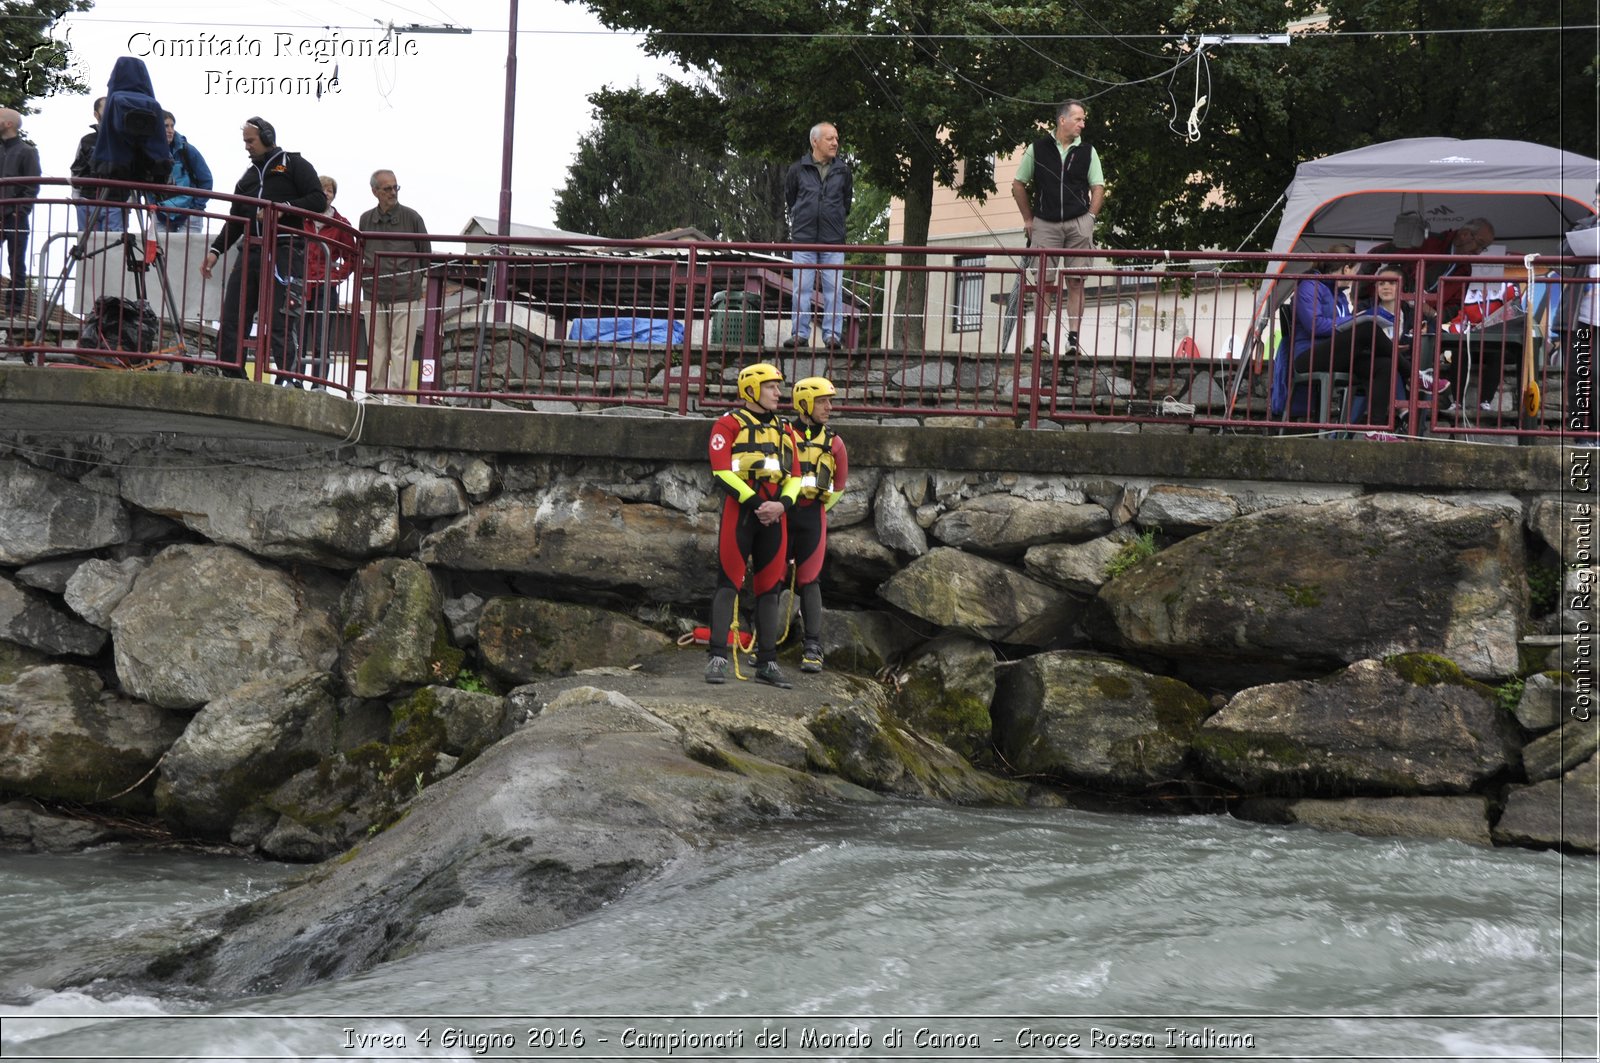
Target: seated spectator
{"x":1449,"y":280}
{"x":1315,"y":313}
{"x":1374,"y":346}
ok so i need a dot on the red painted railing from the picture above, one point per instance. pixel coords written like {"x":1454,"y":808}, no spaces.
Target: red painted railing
{"x":1181,"y":340}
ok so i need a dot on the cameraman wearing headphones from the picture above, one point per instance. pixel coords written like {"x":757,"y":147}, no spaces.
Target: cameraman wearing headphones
{"x":277,"y":176}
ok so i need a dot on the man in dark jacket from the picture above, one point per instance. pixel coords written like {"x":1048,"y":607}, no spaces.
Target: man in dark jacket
{"x":818,"y":189}
{"x":109,"y":219}
{"x":18,"y":159}
{"x":281,"y":177}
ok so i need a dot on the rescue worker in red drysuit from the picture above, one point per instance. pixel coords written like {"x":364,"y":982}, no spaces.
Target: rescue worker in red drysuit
{"x":824,"y":466}
{"x":753,"y":459}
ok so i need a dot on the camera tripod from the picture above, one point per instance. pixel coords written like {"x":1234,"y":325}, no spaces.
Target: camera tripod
{"x":141,"y":253}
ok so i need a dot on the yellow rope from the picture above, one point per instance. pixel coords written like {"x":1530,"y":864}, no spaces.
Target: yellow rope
{"x":794,"y":601}
{"x":733,"y":626}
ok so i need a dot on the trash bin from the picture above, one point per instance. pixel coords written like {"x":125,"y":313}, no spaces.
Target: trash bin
{"x":736,"y":319}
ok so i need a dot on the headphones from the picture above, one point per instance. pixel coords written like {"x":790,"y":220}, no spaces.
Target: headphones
{"x":269,"y":135}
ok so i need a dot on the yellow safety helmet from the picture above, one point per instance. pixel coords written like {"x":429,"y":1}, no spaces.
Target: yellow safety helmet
{"x":809,"y":390}
{"x":751,"y":377}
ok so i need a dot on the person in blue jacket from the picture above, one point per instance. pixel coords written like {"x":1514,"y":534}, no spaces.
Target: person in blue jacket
{"x":1316,"y":312}
{"x":189,"y":170}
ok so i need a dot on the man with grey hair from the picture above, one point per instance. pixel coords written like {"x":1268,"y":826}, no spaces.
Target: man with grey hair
{"x":18,"y":159}
{"x":818,"y":190}
{"x":1068,"y":189}
{"x":394,"y":279}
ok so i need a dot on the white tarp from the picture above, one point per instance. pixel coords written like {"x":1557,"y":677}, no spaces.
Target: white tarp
{"x":1530,"y":193}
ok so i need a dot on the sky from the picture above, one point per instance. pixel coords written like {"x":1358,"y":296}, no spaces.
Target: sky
{"x":433,"y":113}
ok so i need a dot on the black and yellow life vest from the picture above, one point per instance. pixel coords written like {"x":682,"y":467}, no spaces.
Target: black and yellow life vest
{"x":817,"y":467}
{"x":762,"y":449}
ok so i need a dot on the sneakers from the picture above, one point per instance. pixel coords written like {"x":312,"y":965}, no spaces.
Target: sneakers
{"x":795,"y":341}
{"x":769,"y":674}
{"x":1430,"y":385}
{"x":716,"y":669}
{"x":1044,"y":347}
{"x":1382,"y":437}
{"x":1072,"y":344}
{"x":1501,"y":402}
{"x":811,"y":657}
{"x":834,"y":343}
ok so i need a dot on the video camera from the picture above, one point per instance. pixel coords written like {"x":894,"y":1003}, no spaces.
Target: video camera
{"x":132,"y":145}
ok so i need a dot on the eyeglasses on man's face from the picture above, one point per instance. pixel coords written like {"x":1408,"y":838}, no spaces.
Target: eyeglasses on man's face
{"x":388,"y":188}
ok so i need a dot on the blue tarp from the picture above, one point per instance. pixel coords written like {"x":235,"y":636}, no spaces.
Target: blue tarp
{"x":625,"y":330}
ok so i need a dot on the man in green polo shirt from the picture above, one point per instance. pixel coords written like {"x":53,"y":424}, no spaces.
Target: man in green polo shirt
{"x":1068,"y":188}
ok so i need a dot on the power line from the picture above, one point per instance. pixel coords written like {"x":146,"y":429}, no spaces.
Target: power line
{"x":1305,"y":37}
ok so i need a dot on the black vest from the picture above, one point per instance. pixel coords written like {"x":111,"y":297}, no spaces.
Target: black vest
{"x":1060,"y":186}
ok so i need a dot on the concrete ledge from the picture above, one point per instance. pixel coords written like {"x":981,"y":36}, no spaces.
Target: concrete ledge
{"x":75,"y":401}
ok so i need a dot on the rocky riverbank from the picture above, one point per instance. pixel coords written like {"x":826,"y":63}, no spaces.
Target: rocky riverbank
{"x":452,"y":677}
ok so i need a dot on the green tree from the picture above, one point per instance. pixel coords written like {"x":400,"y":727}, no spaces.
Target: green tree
{"x":1354,"y":83}
{"x":33,"y":64}
{"x":926,"y":93}
{"x":897,"y":77}
{"x":628,"y":181}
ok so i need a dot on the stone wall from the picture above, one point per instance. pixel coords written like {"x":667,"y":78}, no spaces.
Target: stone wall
{"x":279,"y":642}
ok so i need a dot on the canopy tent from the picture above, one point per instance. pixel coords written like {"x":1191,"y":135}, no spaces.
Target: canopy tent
{"x":1530,"y":193}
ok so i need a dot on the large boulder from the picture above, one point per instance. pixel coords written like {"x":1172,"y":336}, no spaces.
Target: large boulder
{"x":1546,"y":701}
{"x":584,"y":804}
{"x":27,"y":827}
{"x":348,"y":794}
{"x":14,"y":658}
{"x":392,"y":619}
{"x":44,"y":515}
{"x":1555,"y":813}
{"x":578,"y":538}
{"x":865,"y":641}
{"x":521,"y":639}
{"x":1463,"y":819}
{"x":335,"y":516}
{"x":1561,"y":750}
{"x":857,"y":565}
{"x":28,"y":618}
{"x":1095,"y":721}
{"x":1564,"y":527}
{"x":244,"y":744}
{"x":1079,"y":567}
{"x":894,"y":513}
{"x":1178,"y":509}
{"x":1005,"y":526}
{"x":202,"y":620}
{"x":64,"y":738}
{"x":1299,"y":591}
{"x":1407,"y":727}
{"x":944,"y":689}
{"x":981,"y":598}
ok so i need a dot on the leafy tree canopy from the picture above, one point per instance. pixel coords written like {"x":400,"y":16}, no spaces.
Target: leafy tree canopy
{"x":927,"y":91}
{"x":629,"y":181}
{"x":33,"y":64}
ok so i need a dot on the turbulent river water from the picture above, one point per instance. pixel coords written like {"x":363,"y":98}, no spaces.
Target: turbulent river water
{"x":906,"y":932}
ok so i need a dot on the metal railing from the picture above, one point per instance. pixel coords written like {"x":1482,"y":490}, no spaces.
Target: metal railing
{"x":1163,"y":338}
